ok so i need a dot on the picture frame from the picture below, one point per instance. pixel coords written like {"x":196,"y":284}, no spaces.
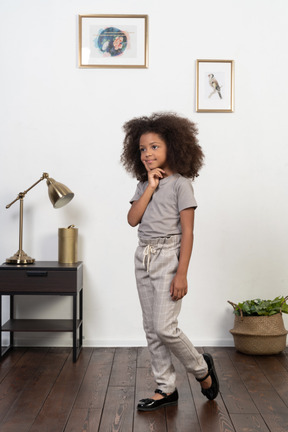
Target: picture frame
{"x":113,"y":41}
{"x":215,"y":86}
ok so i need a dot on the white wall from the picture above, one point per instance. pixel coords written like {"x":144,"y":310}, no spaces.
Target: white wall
{"x":67,"y":121}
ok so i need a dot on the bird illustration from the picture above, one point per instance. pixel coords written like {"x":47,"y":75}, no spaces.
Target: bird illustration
{"x":214,"y":84}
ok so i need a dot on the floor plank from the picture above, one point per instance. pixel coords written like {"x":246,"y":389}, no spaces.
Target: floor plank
{"x":124,"y":367}
{"x":276,"y":374}
{"x":9,"y":361}
{"x":30,"y":401}
{"x":147,"y":421}
{"x":19,"y":377}
{"x":84,"y":420}
{"x":57,"y":407}
{"x":212,"y":415}
{"x":233,"y":391}
{"x":182,"y":418}
{"x":262,"y":392}
{"x":41,"y":389}
{"x":92,"y":392}
{"x":118,"y":410}
{"x":249,"y":423}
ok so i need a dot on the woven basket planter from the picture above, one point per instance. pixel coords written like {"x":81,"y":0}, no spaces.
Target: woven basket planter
{"x":259,"y":335}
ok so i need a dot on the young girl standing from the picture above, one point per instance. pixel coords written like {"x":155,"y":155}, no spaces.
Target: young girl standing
{"x":163,"y":153}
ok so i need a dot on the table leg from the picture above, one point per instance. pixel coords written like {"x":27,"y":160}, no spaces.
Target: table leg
{"x":74,"y":328}
{"x":1,"y":325}
{"x":81,"y":319}
{"x":11,"y":317}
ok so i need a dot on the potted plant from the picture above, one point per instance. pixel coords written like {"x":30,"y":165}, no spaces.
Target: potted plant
{"x":259,"y":327}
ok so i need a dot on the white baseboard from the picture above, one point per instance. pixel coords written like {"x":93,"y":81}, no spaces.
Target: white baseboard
{"x":61,"y":341}
{"x":141,"y":343}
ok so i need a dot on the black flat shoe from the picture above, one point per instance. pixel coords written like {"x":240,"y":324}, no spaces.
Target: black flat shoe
{"x":212,"y":392}
{"x":151,"y":404}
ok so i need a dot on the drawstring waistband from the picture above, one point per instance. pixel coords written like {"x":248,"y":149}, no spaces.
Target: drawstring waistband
{"x":149,"y":249}
{"x":152,"y":245}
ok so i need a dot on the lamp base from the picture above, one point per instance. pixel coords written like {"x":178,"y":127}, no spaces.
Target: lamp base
{"x":20,"y":257}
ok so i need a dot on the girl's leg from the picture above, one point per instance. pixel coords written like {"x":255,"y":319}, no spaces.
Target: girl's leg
{"x":160,"y":317}
{"x":161,"y":362}
{"x":163,"y":266}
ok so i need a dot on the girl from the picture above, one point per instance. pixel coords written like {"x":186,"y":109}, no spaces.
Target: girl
{"x":163,"y":153}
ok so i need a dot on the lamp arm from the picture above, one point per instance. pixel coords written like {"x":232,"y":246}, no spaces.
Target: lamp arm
{"x":22,"y":194}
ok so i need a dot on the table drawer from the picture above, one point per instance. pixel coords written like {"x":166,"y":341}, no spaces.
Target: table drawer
{"x":38,"y":281}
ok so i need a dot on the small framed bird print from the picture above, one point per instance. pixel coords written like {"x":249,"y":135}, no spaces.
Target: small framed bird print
{"x":215,"y":86}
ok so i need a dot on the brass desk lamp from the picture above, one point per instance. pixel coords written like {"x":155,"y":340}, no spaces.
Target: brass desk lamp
{"x":59,"y":195}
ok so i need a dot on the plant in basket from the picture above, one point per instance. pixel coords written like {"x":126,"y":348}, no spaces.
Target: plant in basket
{"x":259,"y":327}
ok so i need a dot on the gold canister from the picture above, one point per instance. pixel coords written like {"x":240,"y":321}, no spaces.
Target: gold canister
{"x":67,"y":245}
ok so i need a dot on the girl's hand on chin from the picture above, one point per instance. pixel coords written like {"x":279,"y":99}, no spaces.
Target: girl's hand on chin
{"x":154,"y":175}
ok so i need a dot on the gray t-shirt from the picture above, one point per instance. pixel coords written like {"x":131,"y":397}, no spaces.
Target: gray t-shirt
{"x":162,"y":215}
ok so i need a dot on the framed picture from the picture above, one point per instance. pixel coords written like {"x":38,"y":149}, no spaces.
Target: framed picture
{"x":113,"y":41}
{"x":214,"y":85}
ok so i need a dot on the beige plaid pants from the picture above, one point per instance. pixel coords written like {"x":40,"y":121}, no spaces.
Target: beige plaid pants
{"x":156,"y":263}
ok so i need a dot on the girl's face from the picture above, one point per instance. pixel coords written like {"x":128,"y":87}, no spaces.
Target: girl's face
{"x":153,"y":151}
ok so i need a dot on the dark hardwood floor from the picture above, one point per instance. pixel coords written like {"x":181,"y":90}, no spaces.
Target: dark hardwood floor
{"x":42,"y":390}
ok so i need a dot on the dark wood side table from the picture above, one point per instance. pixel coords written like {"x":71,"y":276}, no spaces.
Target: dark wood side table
{"x":43,"y":278}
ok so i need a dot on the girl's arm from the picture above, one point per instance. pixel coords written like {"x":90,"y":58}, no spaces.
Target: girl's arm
{"x":179,"y":286}
{"x":138,"y":207}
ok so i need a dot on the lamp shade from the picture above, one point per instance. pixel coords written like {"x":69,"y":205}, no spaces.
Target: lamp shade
{"x":59,"y":194}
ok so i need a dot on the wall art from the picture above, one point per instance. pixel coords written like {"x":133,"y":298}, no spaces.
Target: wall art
{"x":113,"y":41}
{"x":215,"y":86}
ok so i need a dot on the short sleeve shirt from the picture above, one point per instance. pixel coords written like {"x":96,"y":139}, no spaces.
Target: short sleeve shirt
{"x":162,"y":215}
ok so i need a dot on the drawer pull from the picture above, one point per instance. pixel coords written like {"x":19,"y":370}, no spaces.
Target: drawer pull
{"x":31,"y":273}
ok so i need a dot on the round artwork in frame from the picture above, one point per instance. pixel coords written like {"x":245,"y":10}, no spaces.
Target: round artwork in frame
{"x":112,"y":41}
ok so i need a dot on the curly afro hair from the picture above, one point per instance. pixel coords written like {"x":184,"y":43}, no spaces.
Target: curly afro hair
{"x":184,"y":155}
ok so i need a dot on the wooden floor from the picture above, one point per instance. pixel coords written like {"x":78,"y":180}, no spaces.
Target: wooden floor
{"x":42,"y":390}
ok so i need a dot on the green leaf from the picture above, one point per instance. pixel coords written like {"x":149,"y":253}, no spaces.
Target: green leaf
{"x":258,"y":307}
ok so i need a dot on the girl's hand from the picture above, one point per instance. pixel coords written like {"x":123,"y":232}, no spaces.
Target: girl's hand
{"x":178,"y":288}
{"x":154,"y":175}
